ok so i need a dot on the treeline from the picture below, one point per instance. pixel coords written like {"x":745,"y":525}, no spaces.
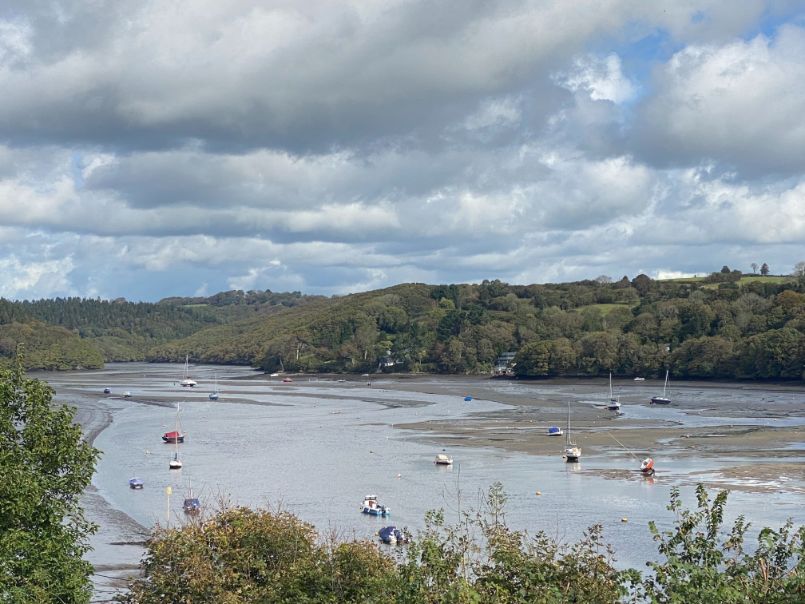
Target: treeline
{"x":727,"y":325}
{"x":749,"y":329}
{"x":243,"y":555}
{"x":118,"y":330}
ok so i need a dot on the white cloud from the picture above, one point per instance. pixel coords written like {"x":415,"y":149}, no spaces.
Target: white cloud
{"x":741,"y":104}
{"x":600,"y":77}
{"x":35,"y":279}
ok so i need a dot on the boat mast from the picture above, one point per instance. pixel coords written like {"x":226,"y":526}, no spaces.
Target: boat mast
{"x":666,"y":382}
{"x":567,"y":430}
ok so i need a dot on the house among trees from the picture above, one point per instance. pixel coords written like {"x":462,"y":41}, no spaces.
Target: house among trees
{"x":504,"y":365}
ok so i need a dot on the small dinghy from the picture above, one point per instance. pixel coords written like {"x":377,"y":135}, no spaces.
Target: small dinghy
{"x":107,"y":391}
{"x":647,"y":467}
{"x":135,"y":483}
{"x":392,"y":535}
{"x":443,"y":459}
{"x":373,"y":508}
{"x":555,"y":431}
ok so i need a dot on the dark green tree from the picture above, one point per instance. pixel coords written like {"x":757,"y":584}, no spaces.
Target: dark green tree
{"x":45,"y":466}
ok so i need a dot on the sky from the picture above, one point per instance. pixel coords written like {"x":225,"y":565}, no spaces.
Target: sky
{"x":180,"y":148}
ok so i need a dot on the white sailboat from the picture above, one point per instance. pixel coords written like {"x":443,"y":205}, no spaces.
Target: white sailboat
{"x":614,"y":402}
{"x":214,"y":394}
{"x":662,"y":400}
{"x":186,"y":381}
{"x":572,"y":450}
{"x":175,"y":463}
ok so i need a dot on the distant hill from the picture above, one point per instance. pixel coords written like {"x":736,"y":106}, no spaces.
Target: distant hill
{"x":726,"y":325}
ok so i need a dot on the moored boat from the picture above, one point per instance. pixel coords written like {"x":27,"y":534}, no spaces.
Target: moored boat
{"x":186,"y":381}
{"x":572,"y":450}
{"x":135,"y":483}
{"x":647,"y":467}
{"x":662,"y":400}
{"x":614,"y":402}
{"x":443,"y":459}
{"x":392,"y":535}
{"x":107,"y":391}
{"x":555,"y":431}
{"x":174,"y":436}
{"x":373,"y":508}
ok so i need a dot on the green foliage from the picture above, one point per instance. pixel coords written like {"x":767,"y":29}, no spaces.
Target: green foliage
{"x":48,"y":347}
{"x":747,"y":327}
{"x":244,"y":556}
{"x":702,"y":564}
{"x":44,"y":468}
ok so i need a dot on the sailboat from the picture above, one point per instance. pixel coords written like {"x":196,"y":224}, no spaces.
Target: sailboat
{"x":572,"y":450}
{"x":186,"y":381}
{"x":175,"y":463}
{"x":614,"y":403}
{"x":174,"y":436}
{"x":191,"y":505}
{"x":662,"y":400}
{"x":214,"y":394}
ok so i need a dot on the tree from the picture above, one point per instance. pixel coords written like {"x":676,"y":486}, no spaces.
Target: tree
{"x":45,"y":466}
{"x":754,"y":266}
{"x":725,"y":269}
{"x":704,"y":563}
{"x":764,"y":270}
{"x":799,"y":269}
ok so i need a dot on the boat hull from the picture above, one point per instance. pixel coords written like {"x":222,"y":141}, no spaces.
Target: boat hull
{"x":376,"y":512}
{"x":660,"y":400}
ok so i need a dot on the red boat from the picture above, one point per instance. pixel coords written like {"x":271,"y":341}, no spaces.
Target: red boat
{"x":173,"y":437}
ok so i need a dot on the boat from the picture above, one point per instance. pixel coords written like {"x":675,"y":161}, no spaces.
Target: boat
{"x":647,"y":467}
{"x":287,"y":380}
{"x":614,"y":402}
{"x":443,"y":459}
{"x":186,"y":381}
{"x":662,"y":400}
{"x":373,"y":508}
{"x":191,"y":505}
{"x":175,"y":463}
{"x":392,"y":535}
{"x":214,"y":394}
{"x":572,"y":450}
{"x":135,"y":483}
{"x":174,"y":436}
{"x":107,"y":391}
{"x":555,"y":431}
{"x":640,"y":379}
{"x":467,"y":398}
{"x":127,"y":394}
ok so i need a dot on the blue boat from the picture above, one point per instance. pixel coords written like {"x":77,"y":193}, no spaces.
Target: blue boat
{"x":468,"y":398}
{"x":135,"y":483}
{"x":392,"y":535}
{"x":373,"y":508}
{"x":554,"y":431}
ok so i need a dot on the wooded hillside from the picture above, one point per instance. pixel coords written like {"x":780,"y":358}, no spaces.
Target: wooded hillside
{"x":723,"y":326}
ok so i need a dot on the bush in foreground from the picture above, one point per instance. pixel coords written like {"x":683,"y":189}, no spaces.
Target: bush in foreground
{"x":243,"y":556}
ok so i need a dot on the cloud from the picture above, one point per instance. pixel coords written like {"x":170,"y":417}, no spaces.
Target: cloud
{"x":173,"y":148}
{"x":34,"y":279}
{"x":739,"y":104}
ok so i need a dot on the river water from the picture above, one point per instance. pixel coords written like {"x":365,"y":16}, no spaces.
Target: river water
{"x":315,"y":447}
